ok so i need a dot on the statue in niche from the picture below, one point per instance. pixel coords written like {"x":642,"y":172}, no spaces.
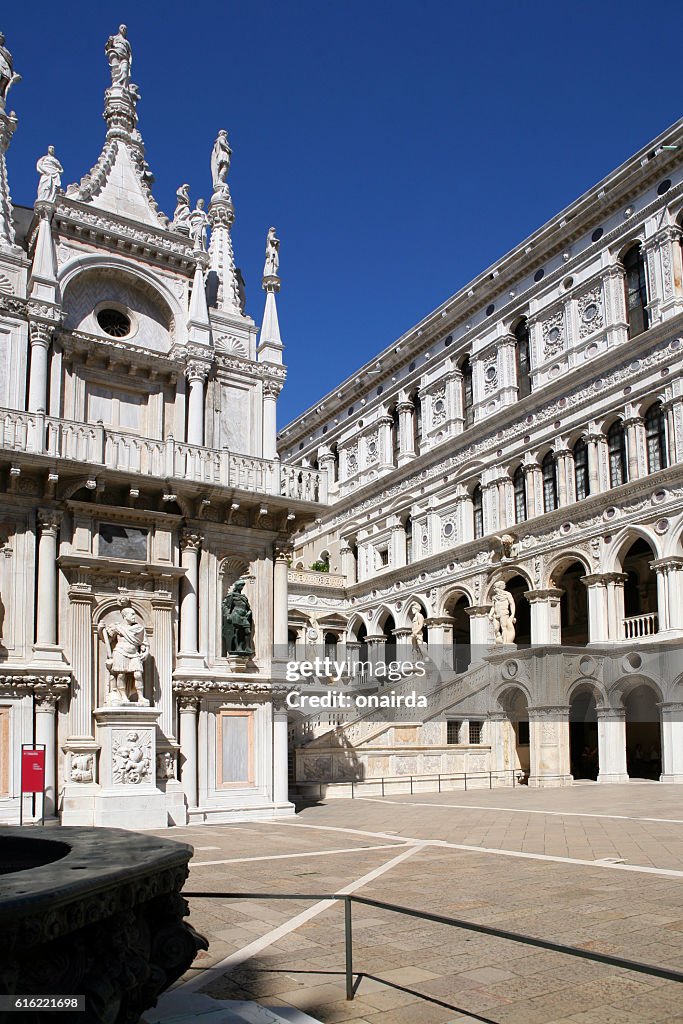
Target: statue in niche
{"x":8,"y":76}
{"x":127,"y":649}
{"x":220,"y":162}
{"x":502,"y":614}
{"x":417,"y":620}
{"x":272,"y":263}
{"x":120,"y":57}
{"x":181,"y":214}
{"x":50,"y":171}
{"x":199,"y":224}
{"x":237,"y":622}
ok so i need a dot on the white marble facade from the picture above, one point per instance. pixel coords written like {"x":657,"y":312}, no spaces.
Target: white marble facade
{"x":138,"y":471}
{"x":542,"y":401}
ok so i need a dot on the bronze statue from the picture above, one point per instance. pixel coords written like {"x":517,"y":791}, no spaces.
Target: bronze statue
{"x":237,"y":622}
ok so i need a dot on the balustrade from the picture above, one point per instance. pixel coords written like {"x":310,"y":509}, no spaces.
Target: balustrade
{"x":636,"y":626}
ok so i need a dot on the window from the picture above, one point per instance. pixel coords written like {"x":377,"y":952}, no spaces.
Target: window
{"x":616,"y":445}
{"x":475,"y":731}
{"x":655,"y":436}
{"x":409,"y":539}
{"x":467,"y":392}
{"x":478,"y":511}
{"x":417,"y":418}
{"x":636,"y":291}
{"x":114,"y":323}
{"x":549,"y":472}
{"x":520,"y":495}
{"x":523,"y":733}
{"x":330,"y":646}
{"x":522,"y":359}
{"x":383,"y":556}
{"x":453,"y":732}
{"x":395,"y":433}
{"x":581,"y":470}
{"x":116,"y":541}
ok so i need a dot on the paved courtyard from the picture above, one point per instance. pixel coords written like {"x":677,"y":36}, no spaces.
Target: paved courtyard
{"x":590,"y":866}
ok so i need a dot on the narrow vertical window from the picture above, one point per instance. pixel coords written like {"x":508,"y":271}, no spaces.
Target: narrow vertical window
{"x":522,"y":359}
{"x":616,"y":445}
{"x":655,"y":434}
{"x":549,"y":472}
{"x":581,"y":470}
{"x":467,"y":392}
{"x":635,"y":284}
{"x":518,"y":484}
{"x":409,"y":539}
{"x":478,"y":511}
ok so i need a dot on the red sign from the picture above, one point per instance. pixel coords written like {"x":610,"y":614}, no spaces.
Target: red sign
{"x":32,"y":770}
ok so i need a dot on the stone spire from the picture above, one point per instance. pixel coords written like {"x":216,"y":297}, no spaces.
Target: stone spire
{"x":270,"y":343}
{"x":198,"y":323}
{"x":120,"y":180}
{"x":222,"y":217}
{"x":8,"y":124}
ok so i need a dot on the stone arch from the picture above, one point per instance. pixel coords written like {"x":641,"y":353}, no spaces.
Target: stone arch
{"x":584,"y":699}
{"x":451,"y":594}
{"x":353,"y":624}
{"x":513,"y":700}
{"x":82,"y":264}
{"x":454,"y":605}
{"x":640,"y":697}
{"x":559,"y":564}
{"x":404,"y":615}
{"x":566,"y":575}
{"x":623,"y":540}
{"x":506,"y":574}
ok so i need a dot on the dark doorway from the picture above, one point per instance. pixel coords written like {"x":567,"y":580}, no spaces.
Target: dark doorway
{"x":583,"y":736}
{"x":573,"y":606}
{"x":518,"y":586}
{"x":643,"y":734}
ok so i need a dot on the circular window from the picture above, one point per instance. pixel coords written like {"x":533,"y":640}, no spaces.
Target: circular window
{"x":539,"y":274}
{"x":554,"y":334}
{"x":439,"y":405}
{"x":380,"y":389}
{"x":325,"y":429}
{"x":411,"y":367}
{"x":490,"y":373}
{"x":449,"y":340}
{"x":590,"y":312}
{"x":489,"y":309}
{"x":597,"y":235}
{"x":663,"y":186}
{"x":448,"y":529}
{"x":114,"y":323}
{"x":349,"y":412}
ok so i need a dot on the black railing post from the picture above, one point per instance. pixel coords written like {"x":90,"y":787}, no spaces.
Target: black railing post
{"x":382,"y":785}
{"x":465,"y":781}
{"x":348,"y":943}
{"x":411,"y":785}
{"x":439,"y":782}
{"x":352,"y":793}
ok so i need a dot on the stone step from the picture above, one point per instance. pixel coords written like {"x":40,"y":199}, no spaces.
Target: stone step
{"x":177,"y":1007}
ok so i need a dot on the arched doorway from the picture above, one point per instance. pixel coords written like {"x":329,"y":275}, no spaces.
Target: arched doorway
{"x":640,"y":591}
{"x":516,"y":738}
{"x":583,"y":736}
{"x":643,"y":734}
{"x":388,"y":628}
{"x":456,"y":607}
{"x":573,"y":605}
{"x":518,"y":586}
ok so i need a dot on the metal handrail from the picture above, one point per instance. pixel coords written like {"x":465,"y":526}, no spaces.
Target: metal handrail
{"x":518,"y":774}
{"x":454,"y":922}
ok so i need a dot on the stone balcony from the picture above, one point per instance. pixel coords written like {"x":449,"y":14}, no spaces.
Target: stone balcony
{"x":96,"y":446}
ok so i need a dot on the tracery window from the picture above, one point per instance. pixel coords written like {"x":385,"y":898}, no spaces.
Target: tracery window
{"x":655,"y":438}
{"x":478,"y":511}
{"x":549,"y":472}
{"x":635,"y":283}
{"x":581,"y":478}
{"x":616,"y":445}
{"x":519,"y":487}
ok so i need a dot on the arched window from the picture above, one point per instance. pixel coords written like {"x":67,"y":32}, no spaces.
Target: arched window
{"x":334,"y":452}
{"x":635,"y":284}
{"x":522,"y":359}
{"x":655,"y":435}
{"x":549,"y":472}
{"x":414,"y":397}
{"x":467,"y":391}
{"x":409,"y":539}
{"x":616,"y":444}
{"x":395,"y":433}
{"x":478,"y":511}
{"x":520,"y":495}
{"x":581,"y":470}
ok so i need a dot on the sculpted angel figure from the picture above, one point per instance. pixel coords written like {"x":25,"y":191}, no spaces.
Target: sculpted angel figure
{"x":120,"y":57}
{"x":502,"y":614}
{"x":220,"y":160}
{"x":181,"y":214}
{"x":272,"y":263}
{"x":8,"y":76}
{"x":50,"y":171}
{"x":199,"y":223}
{"x":127,"y":648}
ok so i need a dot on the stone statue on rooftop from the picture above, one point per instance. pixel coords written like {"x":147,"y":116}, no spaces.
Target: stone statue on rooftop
{"x":181,"y":214}
{"x":220,"y":161}
{"x":50,"y":171}
{"x":199,"y":223}
{"x":8,"y":75}
{"x":272,"y":263}
{"x":120,"y":57}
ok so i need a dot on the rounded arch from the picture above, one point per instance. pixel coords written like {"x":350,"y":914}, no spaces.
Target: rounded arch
{"x":623,"y":540}
{"x":82,"y":264}
{"x":115,"y":604}
{"x":353,"y":624}
{"x":404,"y":616}
{"x":507,"y":574}
{"x":620,"y":690}
{"x":562,"y":562}
{"x":624,"y":247}
{"x":506,"y":695}
{"x":586,"y":685}
{"x":451,"y":596}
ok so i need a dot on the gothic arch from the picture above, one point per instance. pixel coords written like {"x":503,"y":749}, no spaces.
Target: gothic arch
{"x":453,"y":594}
{"x":623,"y":540}
{"x":562,"y":562}
{"x":138,"y":273}
{"x":507,"y":574}
{"x":403,"y":617}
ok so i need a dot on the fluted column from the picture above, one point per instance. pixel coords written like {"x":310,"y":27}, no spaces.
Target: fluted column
{"x":280,"y":602}
{"x":46,"y":733}
{"x":196,"y":374}
{"x":162,"y":609}
{"x":190,"y":544}
{"x":280,"y":768}
{"x":271,"y":390}
{"x":189,"y":707}
{"x":406,"y":417}
{"x":40,"y":336}
{"x":80,"y":710}
{"x":45,"y":646}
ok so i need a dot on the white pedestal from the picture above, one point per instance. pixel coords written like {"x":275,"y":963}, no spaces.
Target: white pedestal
{"x":128,"y":796}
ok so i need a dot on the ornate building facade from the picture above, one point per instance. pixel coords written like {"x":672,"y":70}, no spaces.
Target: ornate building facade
{"x":528,"y":432}
{"x":145,"y":518}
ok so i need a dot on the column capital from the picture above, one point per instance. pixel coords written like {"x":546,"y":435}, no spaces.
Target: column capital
{"x":550,"y":594}
{"x":196,"y":371}
{"x":610,"y":714}
{"x":40,"y":333}
{"x":672,"y":563}
{"x":49,"y":520}
{"x":478,"y":610}
{"x":405,"y":406}
{"x":271,"y":388}
{"x":188,"y":703}
{"x":553,"y":711}
{"x":46,"y":700}
{"x":189,"y":540}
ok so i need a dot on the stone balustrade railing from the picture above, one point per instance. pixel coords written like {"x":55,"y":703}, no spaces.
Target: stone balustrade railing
{"x":311,"y":578}
{"x":97,"y":445}
{"x":636,"y":626}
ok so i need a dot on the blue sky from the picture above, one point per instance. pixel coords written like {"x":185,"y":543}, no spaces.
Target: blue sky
{"x":398,"y":147}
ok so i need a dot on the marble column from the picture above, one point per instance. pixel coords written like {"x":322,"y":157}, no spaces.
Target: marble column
{"x":80,"y":710}
{"x":46,"y":647}
{"x":196,"y":374}
{"x":162,"y":612}
{"x":545,"y":615}
{"x":189,"y":707}
{"x":598,"y":618}
{"x":406,"y":413}
{"x":593,"y":445}
{"x":271,"y":390}
{"x":615,"y":604}
{"x":348,"y":563}
{"x":46,"y":733}
{"x":402,"y":636}
{"x":672,"y":742}
{"x":280,"y":603}
{"x":549,"y":746}
{"x":40,"y":335}
{"x":498,"y":726}
{"x":670,"y":571}
{"x":280,"y":767}
{"x":480,"y":631}
{"x":635,"y":444}
{"x":534,"y":489}
{"x":190,"y":544}
{"x":612,"y":745}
